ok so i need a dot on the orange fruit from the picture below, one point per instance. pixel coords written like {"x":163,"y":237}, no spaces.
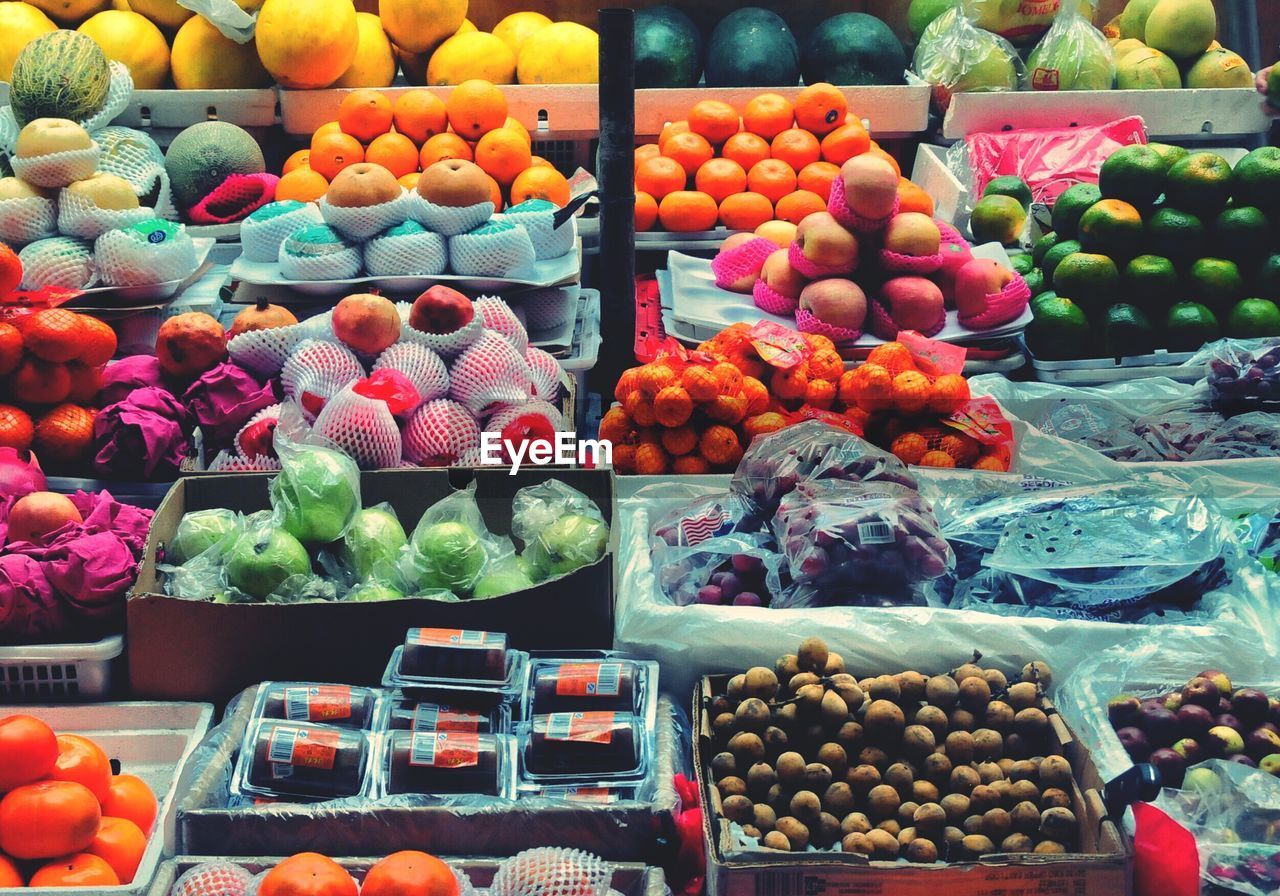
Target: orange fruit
{"x":660,"y":176}
{"x":64,"y":437}
{"x":745,"y":211}
{"x":715,"y":120}
{"x":410,"y":873}
{"x":495,"y":194}
{"x":16,"y":431}
{"x":880,"y":153}
{"x":745,"y":149}
{"x":647,"y":151}
{"x":40,"y":382}
{"x":420,"y":115}
{"x":913,"y":198}
{"x":688,"y":211}
{"x":53,"y":334}
{"x":329,"y":127}
{"x":816,"y":177}
{"x":720,"y":179}
{"x":97,"y":341}
{"x":120,"y":844}
{"x":768,"y":115}
{"x":302,"y":185}
{"x":81,"y":870}
{"x":82,"y":761}
{"x":300,"y":159}
{"x":690,"y":150}
{"x":503,"y":154}
{"x":9,"y":875}
{"x":48,"y":819}
{"x":539,"y":162}
{"x":540,"y":183}
{"x":845,"y":142}
{"x":796,"y":147}
{"x":821,"y":108}
{"x":10,"y":270}
{"x":85,"y":383}
{"x":332,"y":153}
{"x":128,"y":796}
{"x":512,"y":124}
{"x":444,"y":146}
{"x":772,"y":179}
{"x":10,"y":348}
{"x":395,"y":152}
{"x":28,"y":750}
{"x":670,"y":129}
{"x":646,"y":211}
{"x":308,"y":874}
{"x":797,"y":206}
{"x":475,"y":108}
{"x":364,"y":114}
{"x":410,"y":181}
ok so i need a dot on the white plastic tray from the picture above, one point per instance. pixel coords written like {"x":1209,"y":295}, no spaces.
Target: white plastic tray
{"x":150,"y":740}
{"x":154,"y":292}
{"x":70,"y":672}
{"x":1100,"y":371}
{"x":183,"y":108}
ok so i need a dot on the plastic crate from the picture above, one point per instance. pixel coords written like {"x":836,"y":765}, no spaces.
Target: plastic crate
{"x":59,"y":672}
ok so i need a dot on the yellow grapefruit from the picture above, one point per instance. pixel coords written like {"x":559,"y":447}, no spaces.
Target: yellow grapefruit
{"x":307,"y":45}
{"x":203,"y":59}
{"x":516,"y":28}
{"x":68,"y":12}
{"x":133,"y":41}
{"x":561,"y":53}
{"x":470,"y":55}
{"x":375,"y":62}
{"x":20,"y":23}
{"x":416,"y":26}
{"x":165,"y":13}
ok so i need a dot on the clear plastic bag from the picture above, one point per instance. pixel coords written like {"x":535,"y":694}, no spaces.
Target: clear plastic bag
{"x":317,"y":493}
{"x":1260,"y":535}
{"x":369,"y":550}
{"x":194,"y":562}
{"x":451,"y":547}
{"x":1243,"y":372}
{"x":1072,"y":55}
{"x":728,"y":564}
{"x":1248,"y":435}
{"x":955,"y":56}
{"x":708,"y":517}
{"x":561,"y":528}
{"x":1022,"y":23}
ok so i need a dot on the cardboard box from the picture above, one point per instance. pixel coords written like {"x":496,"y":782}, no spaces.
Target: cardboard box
{"x":188,"y":650}
{"x":1102,"y":868}
{"x":622,"y":832}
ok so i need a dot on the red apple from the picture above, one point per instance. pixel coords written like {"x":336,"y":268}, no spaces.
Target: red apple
{"x":39,"y":514}
{"x":824,"y":241}
{"x":914,"y":303}
{"x":781,"y":277}
{"x":258,"y":438}
{"x":441,"y":310}
{"x":841,"y":303}
{"x":975,"y":281}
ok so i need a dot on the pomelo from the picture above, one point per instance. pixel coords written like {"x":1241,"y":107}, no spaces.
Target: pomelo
{"x":1182,"y":29}
{"x":1219,"y":68}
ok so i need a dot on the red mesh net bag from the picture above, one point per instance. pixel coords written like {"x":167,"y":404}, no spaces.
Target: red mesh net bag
{"x":361,"y":427}
{"x":490,"y":372}
{"x":424,"y":368}
{"x":235,"y":199}
{"x":315,"y":371}
{"x":439,"y":433}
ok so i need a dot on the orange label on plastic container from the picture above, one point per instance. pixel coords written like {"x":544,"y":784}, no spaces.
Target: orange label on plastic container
{"x":324,"y":703}
{"x":445,"y":749}
{"x":588,"y":680}
{"x":430,"y":717}
{"x":303,"y":748}
{"x":582,"y":727}
{"x":452,"y":637}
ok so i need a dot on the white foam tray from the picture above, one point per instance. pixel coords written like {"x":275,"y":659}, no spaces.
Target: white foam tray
{"x":118,"y":296}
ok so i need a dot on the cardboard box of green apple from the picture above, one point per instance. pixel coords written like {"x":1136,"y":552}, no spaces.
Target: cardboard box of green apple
{"x":316,"y":572}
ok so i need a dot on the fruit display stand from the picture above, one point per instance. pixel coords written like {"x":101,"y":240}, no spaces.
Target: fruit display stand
{"x":620,"y":831}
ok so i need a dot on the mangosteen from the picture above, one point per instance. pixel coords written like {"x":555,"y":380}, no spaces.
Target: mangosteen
{"x":1171,"y":766}
{"x":1135,"y":743}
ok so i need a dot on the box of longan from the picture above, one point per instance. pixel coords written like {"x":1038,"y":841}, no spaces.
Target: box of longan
{"x":963,"y":781}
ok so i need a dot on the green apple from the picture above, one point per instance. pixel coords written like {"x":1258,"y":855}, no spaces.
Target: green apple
{"x":373,"y":541}
{"x":571,"y":542}
{"x":314,"y":495}
{"x":369,"y":592}
{"x":1202,"y":781}
{"x":260,"y":561}
{"x":199,"y":531}
{"x":450,"y":556}
{"x":512,"y":574}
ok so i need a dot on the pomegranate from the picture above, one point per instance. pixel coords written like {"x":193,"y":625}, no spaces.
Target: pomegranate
{"x":35,"y":516}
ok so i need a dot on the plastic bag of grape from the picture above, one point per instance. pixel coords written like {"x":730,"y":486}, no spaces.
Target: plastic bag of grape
{"x":1243,"y":374}
{"x":738,"y":570}
{"x":860,"y":541}
{"x":694,"y":523}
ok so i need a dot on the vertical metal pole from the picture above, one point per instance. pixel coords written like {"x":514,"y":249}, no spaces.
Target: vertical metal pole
{"x":616,"y":176}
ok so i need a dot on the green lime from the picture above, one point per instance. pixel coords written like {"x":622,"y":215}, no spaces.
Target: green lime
{"x":1052,"y":258}
{"x":1241,"y":234}
{"x":1200,"y":183}
{"x":1022,"y":262}
{"x":1068,"y":208}
{"x":1035,"y":280}
{"x":1169,"y":153}
{"x":1113,"y":227}
{"x":1088,"y":279}
{"x":1189,"y":325}
{"x":1126,"y":332}
{"x":1012,"y":186}
{"x":1149,"y":281}
{"x":1216,"y":282}
{"x":1059,"y":330}
{"x":1266,"y":279}
{"x":1042,"y":296}
{"x":1043,"y":245}
{"x":1176,"y":235}
{"x":1253,"y":319}
{"x":1133,"y":173}
{"x":997,"y":219}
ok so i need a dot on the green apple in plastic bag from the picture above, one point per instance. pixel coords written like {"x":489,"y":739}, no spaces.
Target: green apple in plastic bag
{"x":315,"y":495}
{"x":450,"y":556}
{"x":262,"y":559}
{"x":199,"y":531}
{"x":511,"y":575}
{"x":371,"y":592}
{"x":1073,"y":55}
{"x":373,"y":541}
{"x":571,"y":542}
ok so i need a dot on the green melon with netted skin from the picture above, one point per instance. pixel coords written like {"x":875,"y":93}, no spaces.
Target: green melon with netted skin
{"x":63,"y":74}
{"x":204,"y":155}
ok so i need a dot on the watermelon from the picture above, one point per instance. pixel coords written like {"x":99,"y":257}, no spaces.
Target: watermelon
{"x":752,"y":47}
{"x":854,"y":49}
{"x":63,"y":74}
{"x":205,"y":154}
{"x":668,"y":48}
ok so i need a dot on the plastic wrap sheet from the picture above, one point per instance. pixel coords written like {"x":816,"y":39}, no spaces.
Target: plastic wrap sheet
{"x":623,"y":831}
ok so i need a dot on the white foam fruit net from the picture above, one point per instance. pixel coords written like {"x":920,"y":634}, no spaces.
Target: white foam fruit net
{"x":508,"y":414}
{"x":315,"y":371}
{"x":447,"y":345}
{"x":439,"y":433}
{"x":498,"y":249}
{"x":423,"y":367}
{"x":552,"y":871}
{"x":56,"y":170}
{"x":61,"y":261}
{"x":264,"y":351}
{"x":362,"y":428}
{"x":489,"y":373}
{"x":270,"y":412}
{"x":28,"y":219}
{"x":137,"y":158}
{"x":545,"y":309}
{"x":213,"y":879}
{"x":359,"y":223}
{"x":544,"y":371}
{"x":343,"y":263}
{"x":538,"y":217}
{"x":319,"y":326}
{"x":499,"y":318}
{"x":126,"y":258}
{"x":79,"y":216}
{"x":226,"y":462}
{"x":406,"y":250}
{"x":264,"y":231}
{"x":445,"y":220}
{"x":119,"y":93}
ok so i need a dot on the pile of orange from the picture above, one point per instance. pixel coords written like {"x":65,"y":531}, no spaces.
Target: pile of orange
{"x":416,"y":129}
{"x":775,"y":160}
{"x":65,"y":819}
{"x":400,"y":874}
{"x":51,"y":365}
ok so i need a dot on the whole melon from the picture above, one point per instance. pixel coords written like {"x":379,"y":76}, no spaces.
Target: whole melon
{"x":309,"y":45}
{"x":20,"y":23}
{"x":59,"y":75}
{"x":853,"y":49}
{"x":135,"y":42}
{"x":417,"y":26}
{"x":668,"y":48}
{"x":752,"y":47}
{"x":205,"y":154}
{"x":561,"y":53}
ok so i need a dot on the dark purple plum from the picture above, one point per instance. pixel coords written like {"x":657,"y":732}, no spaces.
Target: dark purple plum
{"x":710,"y":594}
{"x":1123,"y":710}
{"x":1135,"y":743}
{"x":1161,"y":726}
{"x":1227,"y":720}
{"x":1201,"y":692}
{"x":747,"y":599}
{"x":1172,"y":766}
{"x":1242,"y":759}
{"x":1261,"y":742}
{"x":1190,"y":750}
{"x":1194,"y":720}
{"x":1250,"y":705}
{"x":1218,"y":677}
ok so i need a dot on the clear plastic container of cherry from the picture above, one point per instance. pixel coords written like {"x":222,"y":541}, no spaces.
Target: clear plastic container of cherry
{"x":303,"y":762}
{"x":457,"y":667}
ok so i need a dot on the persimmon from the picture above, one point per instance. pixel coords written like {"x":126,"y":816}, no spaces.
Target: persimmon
{"x":81,"y":870}
{"x":410,"y":873}
{"x":129,"y":797}
{"x":308,"y":874}
{"x":82,"y":761}
{"x":48,"y":819}
{"x":9,"y":874}
{"x":120,"y":843}
{"x":28,"y":750}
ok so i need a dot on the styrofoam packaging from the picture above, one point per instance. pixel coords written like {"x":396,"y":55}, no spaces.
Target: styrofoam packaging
{"x":339,"y":705}
{"x":266,"y":229}
{"x":537,"y":216}
{"x":304,"y":762}
{"x":446,"y":763}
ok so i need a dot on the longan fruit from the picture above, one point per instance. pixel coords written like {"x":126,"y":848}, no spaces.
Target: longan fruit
{"x":857,"y":842}
{"x":1025,"y":818}
{"x":833,"y":709}
{"x":988,"y":745}
{"x":1055,"y":772}
{"x":849,"y":692}
{"x":937,"y":769}
{"x":777,"y":840}
{"x":855,"y":823}
{"x":1055,"y":797}
{"x":883,"y":801}
{"x":1038,"y":672}
{"x":809,"y":699}
{"x":995,"y":680}
{"x":747,"y":747}
{"x":966,"y":670}
{"x":922,"y":851}
{"x":1022,"y":695}
{"x":752,"y":831}
{"x":961,"y":720}
{"x":826,"y":833}
{"x":874,"y":756}
{"x":752,"y":715}
{"x":795,"y":831}
{"x":983,"y":798}
{"x":834,"y":757}
{"x":849,"y":736}
{"x":905,"y":836}
{"x":800,"y":679}
{"x":972,"y":824}
{"x":930,"y":818}
{"x":1024,"y":791}
{"x":834,"y":664}
{"x":918,"y":742}
{"x":806,"y":806}
{"x":812,"y":655}
{"x":862,"y":778}
{"x":963,"y":779}
{"x":998,"y":716}
{"x":787,"y":667}
{"x":737,"y":687}
{"x":906,"y":812}
{"x":739,"y":809}
{"x":838,"y":799}
{"x":960,"y":747}
{"x":977,"y":845}
{"x":885,"y":687}
{"x":761,"y":683}
{"x":956,"y":807}
{"x":764,"y":817}
{"x":899,"y":776}
{"x":884,"y":720}
{"x":1049,"y":847}
{"x":760,"y":777}
{"x":1059,"y":825}
{"x":732,"y":786}
{"x":1031,"y":723}
{"x":911,"y":685}
{"x":996,"y":824}
{"x":884,"y":845}
{"x":975,"y":693}
{"x":723,"y":765}
{"x":934,"y":719}
{"x":775,"y":741}
{"x":790,"y":769}
{"x":1017,"y":843}
{"x":942,"y":691}
{"x":724,"y":724}
{"x":1024,"y":770}
{"x":990,"y":772}
{"x":817,"y":777}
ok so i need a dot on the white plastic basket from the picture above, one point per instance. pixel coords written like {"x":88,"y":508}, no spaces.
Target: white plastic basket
{"x":61,"y":673}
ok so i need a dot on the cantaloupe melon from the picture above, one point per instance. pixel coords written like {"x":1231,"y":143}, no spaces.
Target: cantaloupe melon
{"x":20,"y":23}
{"x":63,"y":74}
{"x":205,"y":154}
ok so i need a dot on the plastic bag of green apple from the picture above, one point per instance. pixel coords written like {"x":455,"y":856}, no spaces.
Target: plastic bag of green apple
{"x":193,"y":566}
{"x":561,"y":528}
{"x":316,"y":495}
{"x":369,"y":551}
{"x":451,"y":548}
{"x":1072,"y":55}
{"x":1260,"y":534}
{"x":268,"y":564}
{"x":956,"y":56}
